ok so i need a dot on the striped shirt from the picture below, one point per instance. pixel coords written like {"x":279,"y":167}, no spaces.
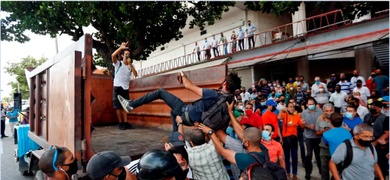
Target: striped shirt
{"x":346,"y":86}
{"x":206,"y":163}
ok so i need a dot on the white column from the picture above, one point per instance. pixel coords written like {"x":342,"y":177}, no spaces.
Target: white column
{"x":300,"y":27}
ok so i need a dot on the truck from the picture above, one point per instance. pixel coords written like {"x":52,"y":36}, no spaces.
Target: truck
{"x":71,"y":106}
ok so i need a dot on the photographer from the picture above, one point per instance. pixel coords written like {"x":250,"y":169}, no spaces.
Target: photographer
{"x":122,"y":73}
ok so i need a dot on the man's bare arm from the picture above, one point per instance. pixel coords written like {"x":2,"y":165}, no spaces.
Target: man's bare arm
{"x":188,"y":85}
{"x":118,"y":51}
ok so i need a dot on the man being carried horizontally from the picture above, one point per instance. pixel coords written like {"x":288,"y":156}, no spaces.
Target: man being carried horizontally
{"x":193,"y":114}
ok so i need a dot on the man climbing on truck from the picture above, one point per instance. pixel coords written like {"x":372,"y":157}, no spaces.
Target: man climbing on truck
{"x":211,"y":109}
{"x":122,"y":73}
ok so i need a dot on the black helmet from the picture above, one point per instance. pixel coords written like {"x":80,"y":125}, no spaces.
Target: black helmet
{"x":158,"y":164}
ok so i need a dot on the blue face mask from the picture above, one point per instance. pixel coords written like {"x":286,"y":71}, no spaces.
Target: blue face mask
{"x":348,"y":115}
{"x":263,"y":104}
{"x":317,"y":82}
{"x":312,"y":107}
{"x":266,"y":135}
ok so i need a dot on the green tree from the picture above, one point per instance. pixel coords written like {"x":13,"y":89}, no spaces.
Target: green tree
{"x":17,"y":69}
{"x":146,"y":25}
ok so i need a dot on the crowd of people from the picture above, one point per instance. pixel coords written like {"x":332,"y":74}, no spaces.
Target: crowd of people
{"x":215,"y":45}
{"x":258,"y":131}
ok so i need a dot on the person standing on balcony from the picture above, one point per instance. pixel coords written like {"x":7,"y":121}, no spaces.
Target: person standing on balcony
{"x":123,"y":70}
{"x":206,"y":48}
{"x":223,"y":40}
{"x":251,"y":33}
{"x":214,"y":45}
{"x":233,"y":38}
{"x":241,"y":35}
{"x":197,"y":50}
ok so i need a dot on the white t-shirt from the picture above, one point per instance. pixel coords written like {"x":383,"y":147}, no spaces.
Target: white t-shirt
{"x":122,"y":75}
{"x":214,"y":43}
{"x":338,"y":99}
{"x":245,"y":96}
{"x":362,"y":111}
{"x":364,"y":93}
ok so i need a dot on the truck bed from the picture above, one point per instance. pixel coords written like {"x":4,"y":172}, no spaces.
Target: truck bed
{"x":129,"y":142}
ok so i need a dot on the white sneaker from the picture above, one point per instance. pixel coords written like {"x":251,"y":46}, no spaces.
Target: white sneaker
{"x":125,"y":104}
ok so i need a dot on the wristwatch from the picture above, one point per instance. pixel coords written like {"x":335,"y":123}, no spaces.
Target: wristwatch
{"x":179,"y":123}
{"x":210,"y":132}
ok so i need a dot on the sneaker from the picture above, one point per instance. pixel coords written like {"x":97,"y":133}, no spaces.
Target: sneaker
{"x":121,"y":126}
{"x":128,"y":126}
{"x":125,"y":104}
{"x":295,"y":177}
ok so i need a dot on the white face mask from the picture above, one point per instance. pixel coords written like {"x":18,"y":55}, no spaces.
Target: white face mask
{"x":321,"y":89}
{"x":241,"y":107}
{"x":291,"y":88}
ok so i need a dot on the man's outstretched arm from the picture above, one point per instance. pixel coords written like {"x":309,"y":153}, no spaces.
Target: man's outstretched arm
{"x":188,"y":84}
{"x":226,"y":153}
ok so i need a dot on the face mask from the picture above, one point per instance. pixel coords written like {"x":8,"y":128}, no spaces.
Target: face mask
{"x":317,"y":82}
{"x":348,"y":115}
{"x":284,"y":84}
{"x":342,"y":79}
{"x":364,"y":143}
{"x":263,"y":104}
{"x":240,"y":107}
{"x":248,"y":112}
{"x":282,"y":100}
{"x":328,"y":115}
{"x":372,"y":110}
{"x":355,"y":75}
{"x":373,"y":75}
{"x":333,"y":79}
{"x":290,"y":81}
{"x":73,"y":167}
{"x":122,"y":175}
{"x":266,"y":135}
{"x":359,"y":85}
{"x":269,"y":84}
{"x":243,"y":146}
{"x":338,"y":90}
{"x":291,"y":88}
{"x":312,"y":107}
{"x":274,"y":84}
{"x":321,"y":90}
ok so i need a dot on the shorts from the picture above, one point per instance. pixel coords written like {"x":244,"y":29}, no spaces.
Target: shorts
{"x":119,"y":91}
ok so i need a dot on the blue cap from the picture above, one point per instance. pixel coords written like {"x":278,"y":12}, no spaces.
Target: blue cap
{"x":271,"y":102}
{"x":385,"y":98}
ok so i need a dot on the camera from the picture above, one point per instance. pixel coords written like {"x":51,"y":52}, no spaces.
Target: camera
{"x":128,"y":57}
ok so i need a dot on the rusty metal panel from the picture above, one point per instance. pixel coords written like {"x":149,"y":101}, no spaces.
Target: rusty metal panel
{"x":102,"y":106}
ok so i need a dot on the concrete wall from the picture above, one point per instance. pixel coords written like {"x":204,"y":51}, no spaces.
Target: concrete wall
{"x":246,"y":76}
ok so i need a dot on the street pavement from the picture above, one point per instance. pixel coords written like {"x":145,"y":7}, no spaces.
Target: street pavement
{"x":9,"y":167}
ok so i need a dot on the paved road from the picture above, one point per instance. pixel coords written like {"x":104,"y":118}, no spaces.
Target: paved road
{"x":9,"y":167}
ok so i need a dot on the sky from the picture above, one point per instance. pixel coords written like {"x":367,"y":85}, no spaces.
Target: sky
{"x":38,"y":46}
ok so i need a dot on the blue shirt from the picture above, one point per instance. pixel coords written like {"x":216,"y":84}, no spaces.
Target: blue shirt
{"x":381,"y":82}
{"x":208,"y":98}
{"x":346,"y":86}
{"x":13,"y":116}
{"x":241,"y":34}
{"x":352,"y":123}
{"x":334,"y":137}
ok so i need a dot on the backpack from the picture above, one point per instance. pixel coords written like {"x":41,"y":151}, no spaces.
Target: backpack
{"x":217,"y":116}
{"x":273,"y":168}
{"x":348,"y":159}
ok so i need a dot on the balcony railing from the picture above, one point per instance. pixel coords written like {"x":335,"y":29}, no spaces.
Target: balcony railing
{"x":311,"y":25}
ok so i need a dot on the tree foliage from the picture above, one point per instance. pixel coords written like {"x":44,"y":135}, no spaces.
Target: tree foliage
{"x":17,"y":69}
{"x":146,"y":25}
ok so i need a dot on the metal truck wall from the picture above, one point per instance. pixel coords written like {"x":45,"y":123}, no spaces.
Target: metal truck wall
{"x":157,"y":113}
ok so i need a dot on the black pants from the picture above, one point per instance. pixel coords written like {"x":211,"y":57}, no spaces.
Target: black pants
{"x":301,"y":145}
{"x":338,"y":109}
{"x":251,"y":41}
{"x":312,"y":145}
{"x":382,"y":150}
{"x":241,"y":44}
{"x":172,"y":101}
{"x":325,"y":158}
{"x":2,"y":127}
{"x":215,"y":51}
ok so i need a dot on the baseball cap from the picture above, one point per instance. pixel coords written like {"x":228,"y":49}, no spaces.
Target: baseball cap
{"x":102,"y":163}
{"x":175,"y":138}
{"x":271,"y":102}
{"x":385,"y":98}
{"x":377,"y":104}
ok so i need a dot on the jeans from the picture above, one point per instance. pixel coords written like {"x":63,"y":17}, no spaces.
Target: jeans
{"x":312,"y":144}
{"x":251,"y":41}
{"x":241,"y":44}
{"x":301,"y":145}
{"x":290,"y":145}
{"x":325,"y":158}
{"x":172,"y":101}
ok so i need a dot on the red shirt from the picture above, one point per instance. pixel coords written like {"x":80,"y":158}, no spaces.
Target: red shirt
{"x":271,"y":118}
{"x":253,"y":120}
